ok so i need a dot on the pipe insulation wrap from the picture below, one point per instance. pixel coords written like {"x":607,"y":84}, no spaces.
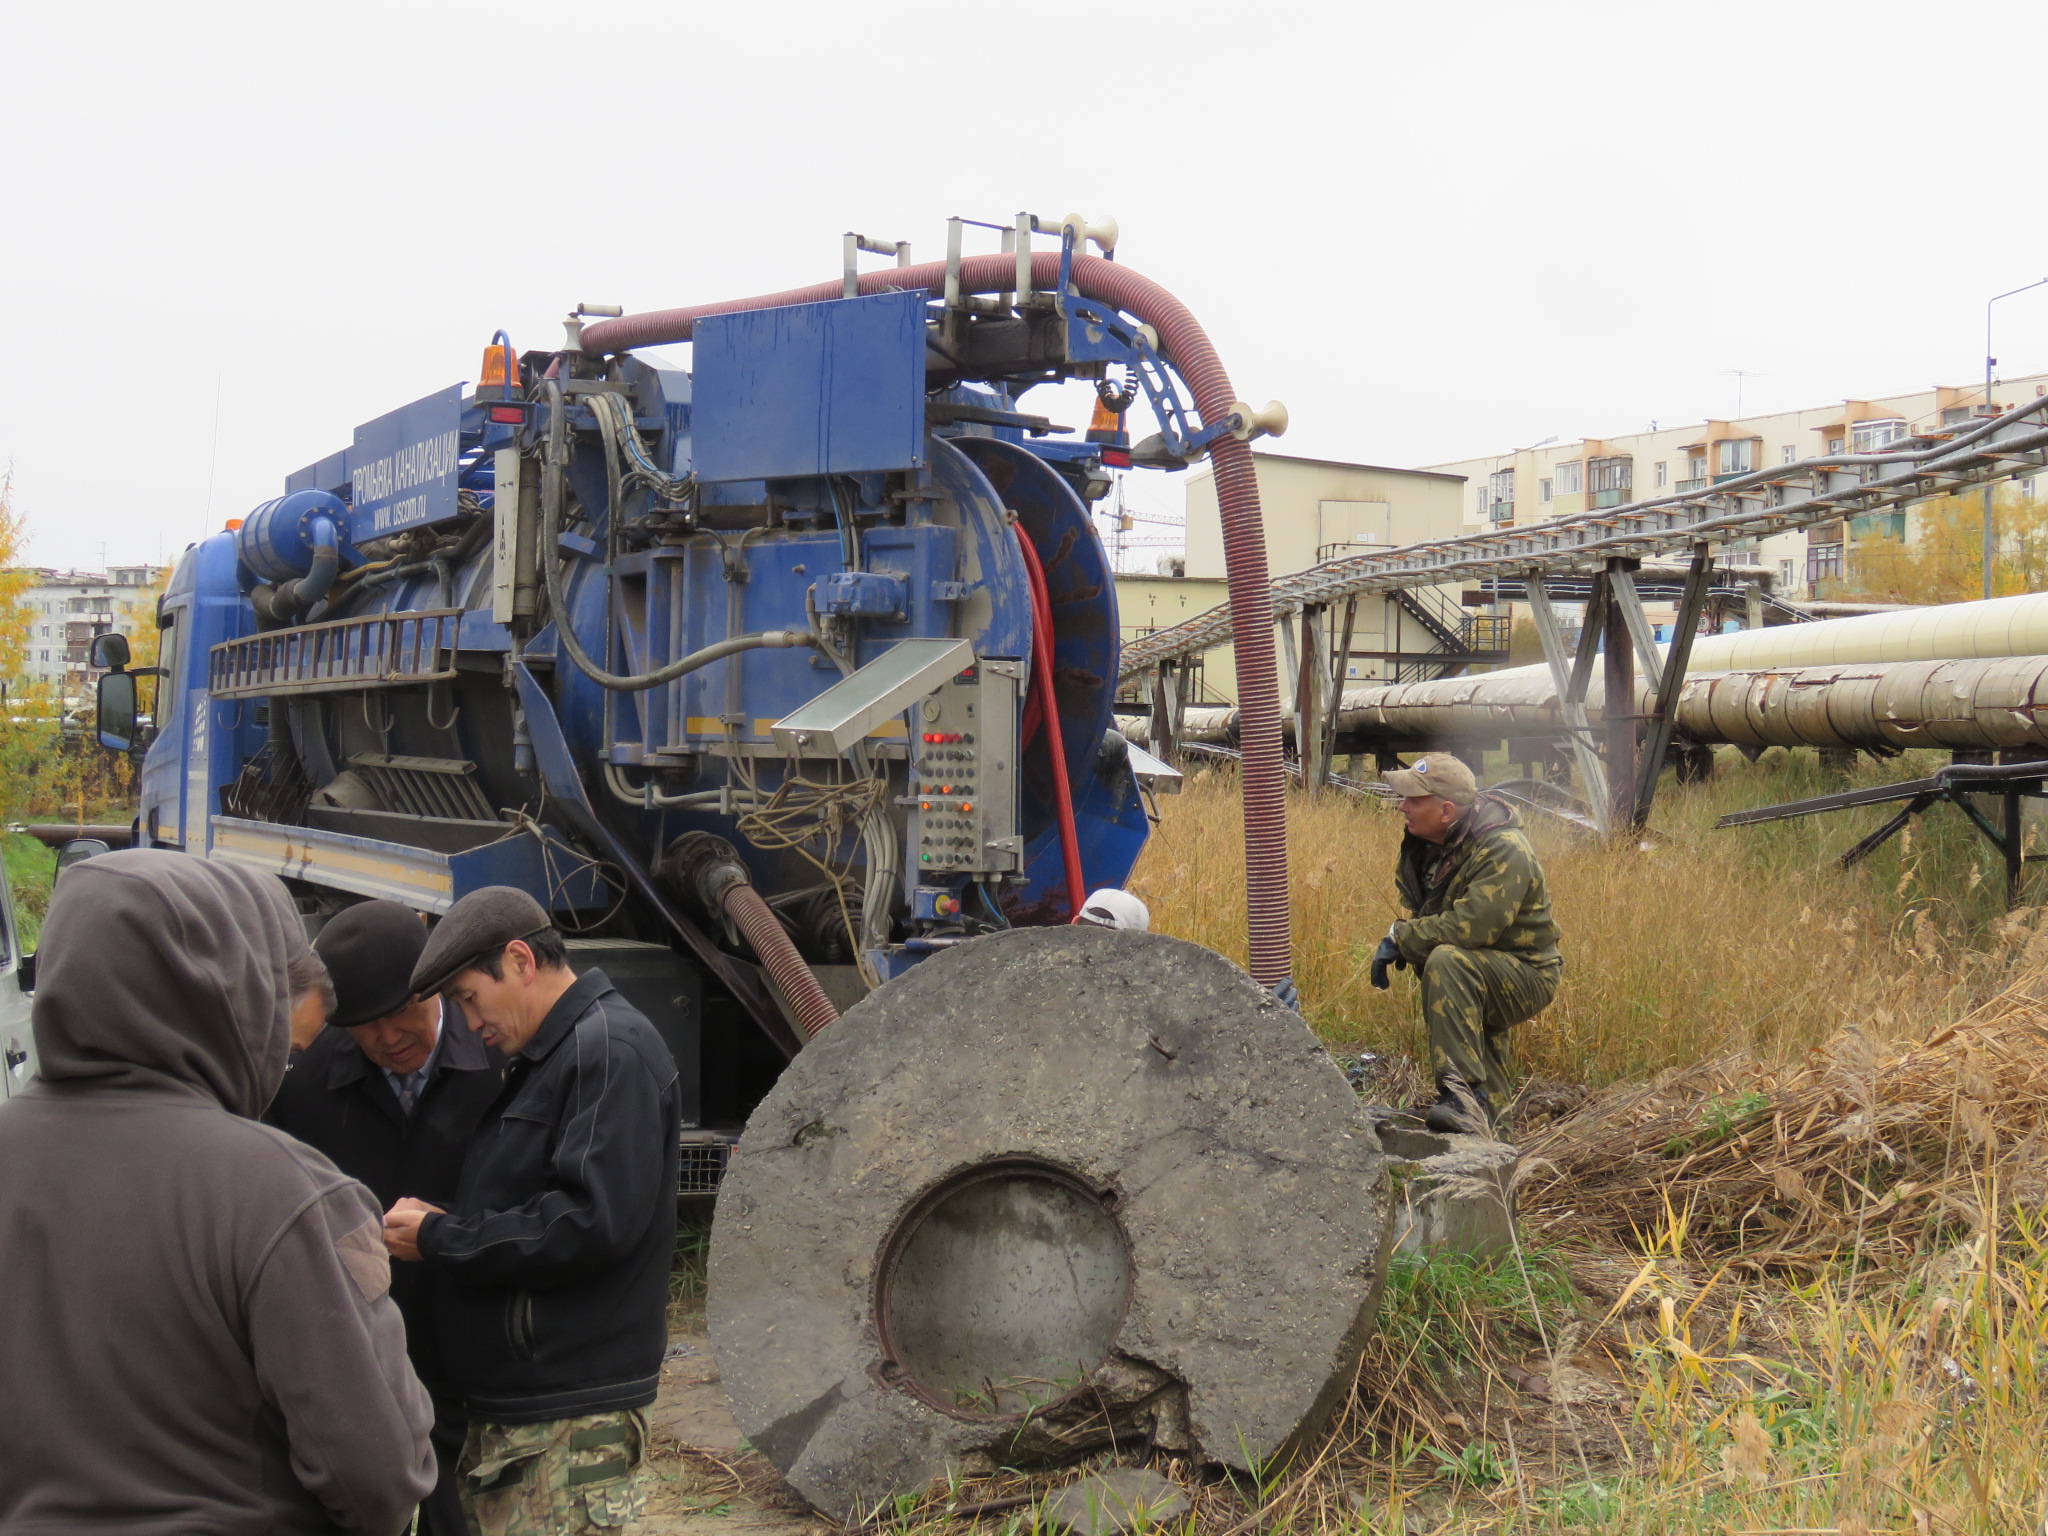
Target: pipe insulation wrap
{"x":1976,"y":704}
{"x":1185,"y":344}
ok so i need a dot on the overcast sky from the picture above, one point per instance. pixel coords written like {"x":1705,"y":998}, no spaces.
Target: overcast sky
{"x":1433,"y":230}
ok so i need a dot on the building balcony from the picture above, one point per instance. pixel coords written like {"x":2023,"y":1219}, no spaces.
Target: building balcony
{"x":1614,"y":498}
{"x":1689,"y":485}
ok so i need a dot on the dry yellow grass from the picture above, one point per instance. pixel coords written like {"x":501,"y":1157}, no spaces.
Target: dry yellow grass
{"x":1702,"y":943}
{"x":1646,"y":1363}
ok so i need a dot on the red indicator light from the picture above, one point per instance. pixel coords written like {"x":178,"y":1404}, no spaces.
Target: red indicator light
{"x":967,"y":807}
{"x":511,"y":415}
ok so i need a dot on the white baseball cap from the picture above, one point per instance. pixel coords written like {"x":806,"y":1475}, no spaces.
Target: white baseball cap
{"x":1112,"y":908}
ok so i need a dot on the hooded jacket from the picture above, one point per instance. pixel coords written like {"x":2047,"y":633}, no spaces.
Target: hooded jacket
{"x":198,"y":1337}
{"x":1481,"y":888}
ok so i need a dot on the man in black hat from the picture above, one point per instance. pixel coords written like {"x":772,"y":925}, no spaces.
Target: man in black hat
{"x":558,"y":1245}
{"x":393,"y":1093}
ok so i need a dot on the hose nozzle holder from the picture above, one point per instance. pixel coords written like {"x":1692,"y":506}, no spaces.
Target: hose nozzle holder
{"x":699,"y":868}
{"x":1270,"y":422}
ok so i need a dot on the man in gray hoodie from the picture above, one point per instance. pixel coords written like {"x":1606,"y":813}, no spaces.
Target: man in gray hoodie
{"x":196,"y":1337}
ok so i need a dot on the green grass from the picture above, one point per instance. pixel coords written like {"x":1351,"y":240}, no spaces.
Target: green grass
{"x":30,"y":870}
{"x":1456,"y":1310}
{"x":686,"y":1275}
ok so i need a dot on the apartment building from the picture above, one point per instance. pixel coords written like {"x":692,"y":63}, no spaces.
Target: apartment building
{"x":67,"y":609}
{"x":1559,"y":479}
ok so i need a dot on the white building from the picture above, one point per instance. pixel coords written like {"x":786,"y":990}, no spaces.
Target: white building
{"x":66,"y":609}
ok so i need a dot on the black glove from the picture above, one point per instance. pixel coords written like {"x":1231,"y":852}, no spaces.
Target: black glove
{"x":1388,"y":954}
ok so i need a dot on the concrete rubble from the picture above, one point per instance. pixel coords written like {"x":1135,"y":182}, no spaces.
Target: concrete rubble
{"x":1452,"y":1194}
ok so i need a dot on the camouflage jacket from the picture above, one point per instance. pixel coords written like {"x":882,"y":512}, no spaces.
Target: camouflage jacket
{"x":1480,"y":889}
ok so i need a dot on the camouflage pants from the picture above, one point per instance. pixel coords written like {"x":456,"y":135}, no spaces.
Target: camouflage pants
{"x":560,"y":1478}
{"x":1470,"y":999}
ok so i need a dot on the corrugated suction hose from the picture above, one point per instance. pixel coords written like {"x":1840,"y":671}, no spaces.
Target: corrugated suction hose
{"x":1188,"y":348}
{"x":704,"y":868}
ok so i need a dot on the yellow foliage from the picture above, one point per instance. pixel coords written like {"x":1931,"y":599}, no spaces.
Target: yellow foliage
{"x":1943,"y":562}
{"x":14,"y":582}
{"x":43,"y":772}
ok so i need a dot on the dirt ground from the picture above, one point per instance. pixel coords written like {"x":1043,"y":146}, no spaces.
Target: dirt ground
{"x":701,"y":1482}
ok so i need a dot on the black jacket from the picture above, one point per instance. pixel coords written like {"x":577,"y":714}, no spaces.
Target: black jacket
{"x":562,"y":1236}
{"x":338,"y":1102}
{"x":335,"y":1099}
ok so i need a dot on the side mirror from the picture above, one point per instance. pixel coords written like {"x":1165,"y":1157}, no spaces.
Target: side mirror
{"x":77,"y":851}
{"x":110,"y":651}
{"x":117,"y":723}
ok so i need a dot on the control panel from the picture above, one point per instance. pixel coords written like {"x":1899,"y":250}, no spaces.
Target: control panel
{"x":963,"y":778}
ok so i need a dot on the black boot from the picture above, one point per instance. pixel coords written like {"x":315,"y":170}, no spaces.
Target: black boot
{"x":1450,"y":1116}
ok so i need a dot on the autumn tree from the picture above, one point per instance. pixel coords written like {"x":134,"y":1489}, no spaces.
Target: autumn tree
{"x":1943,"y":560}
{"x":48,"y":767}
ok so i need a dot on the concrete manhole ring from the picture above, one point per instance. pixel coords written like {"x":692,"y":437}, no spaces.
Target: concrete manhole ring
{"x":1054,"y":1189}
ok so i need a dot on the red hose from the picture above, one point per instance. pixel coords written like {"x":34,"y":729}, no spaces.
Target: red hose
{"x":770,"y":941}
{"x":1049,"y":712}
{"x":1187,"y":346}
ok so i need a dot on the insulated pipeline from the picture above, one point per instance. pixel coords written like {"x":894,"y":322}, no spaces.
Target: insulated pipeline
{"x":1188,"y":348}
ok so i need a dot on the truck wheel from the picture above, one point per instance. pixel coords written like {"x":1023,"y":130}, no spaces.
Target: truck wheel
{"x":1055,"y":1189}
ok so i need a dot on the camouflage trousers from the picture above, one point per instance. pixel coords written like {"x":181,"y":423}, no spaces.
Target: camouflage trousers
{"x":1471,"y":998}
{"x":559,"y":1478}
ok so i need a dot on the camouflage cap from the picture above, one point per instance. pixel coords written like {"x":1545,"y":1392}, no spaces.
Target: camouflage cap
{"x":1438,"y":774}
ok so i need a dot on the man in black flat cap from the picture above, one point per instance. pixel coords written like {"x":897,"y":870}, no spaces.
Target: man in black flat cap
{"x":557,"y":1247}
{"x":393,"y":1093}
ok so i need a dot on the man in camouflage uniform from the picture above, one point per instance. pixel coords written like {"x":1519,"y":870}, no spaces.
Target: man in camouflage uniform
{"x":1479,"y":933}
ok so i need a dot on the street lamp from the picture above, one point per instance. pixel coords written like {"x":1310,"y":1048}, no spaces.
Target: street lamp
{"x":1991,"y":362}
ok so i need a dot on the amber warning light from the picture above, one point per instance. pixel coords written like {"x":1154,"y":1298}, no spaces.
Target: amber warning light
{"x":497,"y":381}
{"x":501,"y":366}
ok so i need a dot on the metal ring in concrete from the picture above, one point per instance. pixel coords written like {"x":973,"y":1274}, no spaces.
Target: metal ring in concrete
{"x":1053,"y":1190}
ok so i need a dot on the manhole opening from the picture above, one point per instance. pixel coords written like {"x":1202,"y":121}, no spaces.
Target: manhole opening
{"x":1002,"y":1289}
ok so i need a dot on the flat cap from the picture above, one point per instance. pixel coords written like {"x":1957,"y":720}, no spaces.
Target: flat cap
{"x":370,"y":950}
{"x":480,"y":924}
{"x":1438,"y":774}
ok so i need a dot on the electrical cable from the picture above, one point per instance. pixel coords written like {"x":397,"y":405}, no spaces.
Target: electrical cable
{"x":554,"y":487}
{"x":1184,"y":343}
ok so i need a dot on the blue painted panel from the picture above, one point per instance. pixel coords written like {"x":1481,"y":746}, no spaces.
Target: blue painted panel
{"x":405,"y":466}
{"x":201,"y":744}
{"x":810,"y":389}
{"x":330,"y":474}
